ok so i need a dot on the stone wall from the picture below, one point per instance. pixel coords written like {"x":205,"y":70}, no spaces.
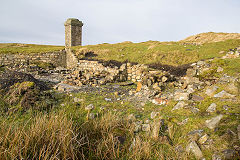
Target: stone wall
{"x":73,"y":32}
{"x":57,"y":58}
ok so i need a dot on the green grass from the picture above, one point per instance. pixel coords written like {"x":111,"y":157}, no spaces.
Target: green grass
{"x":15,"y":48}
{"x":170,"y":53}
{"x":69,"y":119}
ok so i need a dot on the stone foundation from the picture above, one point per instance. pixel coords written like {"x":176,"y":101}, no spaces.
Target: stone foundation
{"x":57,"y":58}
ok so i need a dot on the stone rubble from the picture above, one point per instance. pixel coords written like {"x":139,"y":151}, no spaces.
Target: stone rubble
{"x":212,"y":123}
{"x":194,"y":148}
{"x":211,"y":108}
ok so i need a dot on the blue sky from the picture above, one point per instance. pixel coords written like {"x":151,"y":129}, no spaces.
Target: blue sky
{"x":113,"y":21}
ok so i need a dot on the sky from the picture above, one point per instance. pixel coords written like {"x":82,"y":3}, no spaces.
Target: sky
{"x":114,"y":21}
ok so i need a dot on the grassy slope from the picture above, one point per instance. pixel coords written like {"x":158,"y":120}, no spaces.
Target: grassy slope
{"x":211,"y":37}
{"x":15,"y":48}
{"x":170,"y":53}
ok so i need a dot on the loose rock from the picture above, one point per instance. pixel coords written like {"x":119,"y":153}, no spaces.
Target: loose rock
{"x":154,"y":114}
{"x":212,"y":108}
{"x":179,"y":105}
{"x":197,"y":98}
{"x":223,"y":94}
{"x":77,"y":100}
{"x":92,"y":115}
{"x":181,"y":96}
{"x":229,"y":154}
{"x":238,"y":130}
{"x":146,"y":127}
{"x":212,"y":123}
{"x":156,"y":128}
{"x":203,"y":139}
{"x":216,"y":157}
{"x":210,"y":91}
{"x":193,"y":147}
{"x":89,"y":107}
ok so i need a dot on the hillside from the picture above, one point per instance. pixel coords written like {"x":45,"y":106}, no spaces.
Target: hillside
{"x":210,"y":37}
{"x":189,"y":50}
{"x":169,"y":53}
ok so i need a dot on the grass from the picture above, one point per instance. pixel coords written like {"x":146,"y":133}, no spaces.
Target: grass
{"x":63,"y":134}
{"x":64,"y":131}
{"x":16,"y":48}
{"x":170,"y":53}
{"x":166,"y":53}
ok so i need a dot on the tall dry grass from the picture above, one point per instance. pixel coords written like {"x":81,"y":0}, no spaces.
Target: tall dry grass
{"x":56,"y":137}
{"x":46,"y":137}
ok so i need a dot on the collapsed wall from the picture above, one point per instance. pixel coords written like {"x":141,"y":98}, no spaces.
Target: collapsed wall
{"x":94,"y":72}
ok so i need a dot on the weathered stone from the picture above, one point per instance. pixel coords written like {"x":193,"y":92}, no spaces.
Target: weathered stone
{"x":137,"y":128}
{"x":156,"y":86}
{"x":73,"y":32}
{"x":199,"y":63}
{"x":216,"y":157}
{"x":149,"y":82}
{"x":156,"y":128}
{"x":179,"y":149}
{"x":181,"y":96}
{"x":219,"y":69}
{"x":139,"y":86}
{"x":203,"y":139}
{"x":229,"y":154}
{"x":147,"y":121}
{"x":238,"y":131}
{"x":102,"y":108}
{"x":92,"y":115}
{"x":194,"y":110}
{"x":164,"y":79}
{"x":212,"y":108}
{"x":226,"y":107}
{"x":191,"y":72}
{"x":183,"y":122}
{"x":212,"y":123}
{"x":77,"y":100}
{"x":154,"y":114}
{"x":197,"y":98}
{"x":193,"y":147}
{"x":226,"y":79}
{"x":159,"y":101}
{"x":210,"y":91}
{"x":146,"y":127}
{"x":195,"y":134}
{"x":179,"y":105}
{"x":108,"y":99}
{"x":223,"y":94}
{"x":123,"y":67}
{"x":191,"y":80}
{"x":89,"y":107}
{"x":190,"y":88}
{"x":131,"y":118}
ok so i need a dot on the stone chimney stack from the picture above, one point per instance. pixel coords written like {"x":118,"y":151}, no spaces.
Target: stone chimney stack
{"x":73,"y":32}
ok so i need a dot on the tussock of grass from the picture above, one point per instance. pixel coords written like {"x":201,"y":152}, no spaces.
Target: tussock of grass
{"x":45,"y":138}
